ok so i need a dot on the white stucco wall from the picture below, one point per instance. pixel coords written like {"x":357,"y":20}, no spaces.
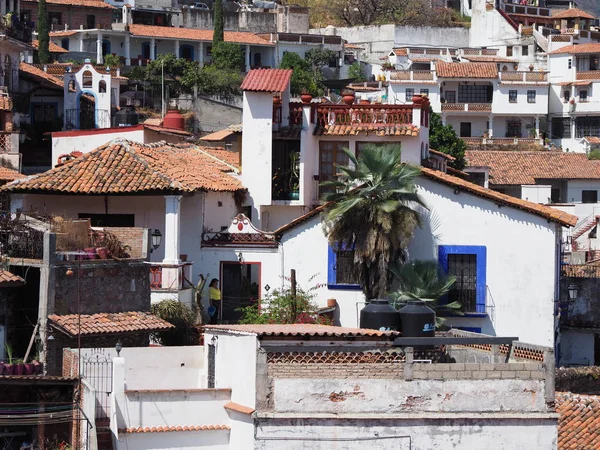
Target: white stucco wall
{"x":190,"y":440}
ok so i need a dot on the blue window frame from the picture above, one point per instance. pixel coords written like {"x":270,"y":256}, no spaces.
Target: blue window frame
{"x":333,"y":281}
{"x":480,"y":254}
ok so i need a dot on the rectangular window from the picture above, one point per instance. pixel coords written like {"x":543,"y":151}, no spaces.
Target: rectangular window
{"x":583,"y":96}
{"x":109,"y":220}
{"x":451,"y":96}
{"x":525,"y":50}
{"x":425,"y":92}
{"x":531,"y":96}
{"x":330,"y":154}
{"x":512,"y":96}
{"x":342,"y":273}
{"x":589,"y":196}
{"x":587,"y":126}
{"x":561,"y":127}
{"x":555,"y":195}
{"x":285,"y":170}
{"x":410,"y":93}
{"x":475,"y":93}
{"x":513,"y":128}
{"x":468,"y":264}
{"x":509,"y":50}
{"x":465,"y":129}
{"x":566,"y":95}
{"x":55,"y":18}
{"x":90,"y":21}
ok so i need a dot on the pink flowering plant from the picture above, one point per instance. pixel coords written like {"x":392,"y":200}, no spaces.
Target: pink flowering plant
{"x":280,"y":307}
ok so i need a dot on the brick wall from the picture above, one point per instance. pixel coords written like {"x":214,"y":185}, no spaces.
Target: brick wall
{"x":72,"y":15}
{"x":335,"y":370}
{"x":478,"y":371}
{"x":134,"y":237}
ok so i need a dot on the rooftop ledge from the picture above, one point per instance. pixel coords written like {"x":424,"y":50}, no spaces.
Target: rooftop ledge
{"x":415,"y":416}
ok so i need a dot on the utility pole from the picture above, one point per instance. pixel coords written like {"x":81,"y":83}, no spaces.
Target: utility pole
{"x":294,"y":296}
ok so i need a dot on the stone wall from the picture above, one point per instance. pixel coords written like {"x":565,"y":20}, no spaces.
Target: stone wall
{"x":104,"y":286}
{"x":579,"y":380}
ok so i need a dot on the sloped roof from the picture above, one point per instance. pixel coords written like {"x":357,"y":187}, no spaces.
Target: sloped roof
{"x":516,"y":168}
{"x":52,"y":47}
{"x":195,"y":34}
{"x":466,"y":70}
{"x":229,"y":157}
{"x":579,"y":49}
{"x":221,"y":135}
{"x":551,"y":214}
{"x":39,"y":74}
{"x":495,"y":59}
{"x":108,"y":323}
{"x":173,"y":428}
{"x":579,"y":422}
{"x":7,"y":174}
{"x":267,"y":80}
{"x":125,"y":167}
{"x":82,"y":3}
{"x":573,"y":13}
{"x":442,"y":155}
{"x":8,"y":279}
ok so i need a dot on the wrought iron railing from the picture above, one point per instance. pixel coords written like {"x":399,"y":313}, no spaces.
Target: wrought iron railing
{"x":364,"y":114}
{"x":18,"y":239}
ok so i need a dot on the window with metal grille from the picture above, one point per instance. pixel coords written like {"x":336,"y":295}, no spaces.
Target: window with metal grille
{"x":512,"y":96}
{"x":468,"y":264}
{"x":464,"y":290}
{"x":561,"y":127}
{"x":513,"y":128}
{"x":410,"y":93}
{"x":509,"y":50}
{"x":531,"y":96}
{"x":342,"y":272}
{"x":425,"y":92}
{"x":583,"y":96}
{"x":330,"y":154}
{"x":587,"y":126}
{"x":475,"y":93}
{"x":525,"y":50}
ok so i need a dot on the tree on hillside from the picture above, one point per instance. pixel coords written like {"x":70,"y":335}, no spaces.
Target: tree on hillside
{"x":373,"y":211}
{"x":444,"y":139}
{"x":218,"y":25}
{"x":43,"y":33}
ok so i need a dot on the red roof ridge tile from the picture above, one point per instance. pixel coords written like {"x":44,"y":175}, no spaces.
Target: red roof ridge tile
{"x":267,"y":80}
{"x":573,"y":13}
{"x":466,"y":69}
{"x":232,"y":406}
{"x":103,"y":323}
{"x":302,"y":330}
{"x":9,"y":279}
{"x":196,"y":34}
{"x":174,"y":428}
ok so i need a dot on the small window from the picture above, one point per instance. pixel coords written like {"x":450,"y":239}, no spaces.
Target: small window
{"x":90,"y":21}
{"x":570,"y":63}
{"x":410,"y":93}
{"x":425,"y":92}
{"x":468,"y":264}
{"x":525,"y":50}
{"x":64,"y":43}
{"x":555,"y":195}
{"x":509,"y":50}
{"x":342,"y":272}
{"x":531,"y":96}
{"x":102,"y":87}
{"x":566,"y":95}
{"x":87,"y":79}
{"x":209,"y":50}
{"x":583,"y":96}
{"x":512,"y":96}
{"x":513,"y":128}
{"x":589,"y":196}
{"x":465,"y":129}
{"x":55,"y":18}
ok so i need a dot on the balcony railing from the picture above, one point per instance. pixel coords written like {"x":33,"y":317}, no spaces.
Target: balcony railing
{"x":159,"y":281}
{"x":19,"y":239}
{"x":6,"y":142}
{"x":469,"y":107}
{"x":472,"y":141}
{"x":410,"y":75}
{"x":526,"y":10}
{"x":87,"y":119}
{"x":588,"y":75}
{"x":523,"y":77}
{"x":364,"y":114}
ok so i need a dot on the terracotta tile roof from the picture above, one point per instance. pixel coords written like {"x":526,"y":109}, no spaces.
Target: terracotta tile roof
{"x":232,"y":406}
{"x":153,"y":121}
{"x":228,"y":157}
{"x":6,"y":103}
{"x":195,"y":34}
{"x":551,"y":214}
{"x":83,"y":3}
{"x":173,"y":428}
{"x":593,"y":139}
{"x":8,"y":279}
{"x":579,"y":49}
{"x":573,"y":13}
{"x":166,"y":130}
{"x":377,"y":129}
{"x":442,"y":154}
{"x":515,"y":168}
{"x":39,"y":74}
{"x":466,"y":70}
{"x":302,"y":330}
{"x":65,"y":33}
{"x":495,"y":59}
{"x":105,"y":323}
{"x":59,"y":70}
{"x":125,"y":167}
{"x":53,"y":48}
{"x":353,"y":46}
{"x":221,"y":135}
{"x":7,"y":174}
{"x":579,"y":422}
{"x":400,"y":51}
{"x":267,"y":80}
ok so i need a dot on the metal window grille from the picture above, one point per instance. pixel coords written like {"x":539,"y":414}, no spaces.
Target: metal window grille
{"x":513,"y":128}
{"x":512,"y":96}
{"x":531,"y":96}
{"x":409,"y":94}
{"x":464,"y":290}
{"x":346,"y":270}
{"x":474,"y":93}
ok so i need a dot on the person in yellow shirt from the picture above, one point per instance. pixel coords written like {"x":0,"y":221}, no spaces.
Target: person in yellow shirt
{"x":214,"y":298}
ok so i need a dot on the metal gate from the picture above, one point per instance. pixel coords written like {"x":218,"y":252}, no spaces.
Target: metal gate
{"x":97,"y":369}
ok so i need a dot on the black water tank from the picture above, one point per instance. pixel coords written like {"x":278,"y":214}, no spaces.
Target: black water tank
{"x":417,"y":319}
{"x":379,"y":314}
{"x":126,"y":117}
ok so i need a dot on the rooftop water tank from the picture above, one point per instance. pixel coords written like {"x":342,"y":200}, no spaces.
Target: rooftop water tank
{"x":417,"y":319}
{"x":174,"y":119}
{"x":380,"y":315}
{"x":126,"y":117}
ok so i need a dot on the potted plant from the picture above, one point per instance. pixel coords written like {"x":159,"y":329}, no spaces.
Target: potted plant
{"x":295,"y":190}
{"x":306,"y":97}
{"x":276,"y":100}
{"x":365,"y":101}
{"x":348,"y":96}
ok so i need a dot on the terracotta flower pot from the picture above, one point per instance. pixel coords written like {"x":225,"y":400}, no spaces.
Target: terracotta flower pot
{"x":331,"y":303}
{"x":348,"y":99}
{"x":183,"y":257}
{"x":365,"y":101}
{"x":28,"y":369}
{"x":2,"y":368}
{"x":306,"y":98}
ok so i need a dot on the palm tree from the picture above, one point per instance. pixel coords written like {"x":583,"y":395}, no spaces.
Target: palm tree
{"x":421,"y":280}
{"x":374,"y":210}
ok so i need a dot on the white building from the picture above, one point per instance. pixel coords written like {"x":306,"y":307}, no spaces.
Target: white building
{"x":276,"y":386}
